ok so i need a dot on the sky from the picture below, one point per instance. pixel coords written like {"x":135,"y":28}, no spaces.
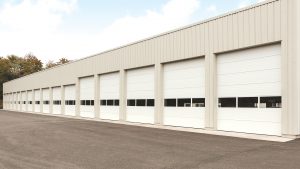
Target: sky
{"x":52,"y":29}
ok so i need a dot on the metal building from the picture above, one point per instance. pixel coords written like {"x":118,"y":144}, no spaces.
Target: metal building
{"x":237,"y":72}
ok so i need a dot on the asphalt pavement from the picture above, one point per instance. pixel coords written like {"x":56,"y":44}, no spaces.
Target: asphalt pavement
{"x":30,"y":141}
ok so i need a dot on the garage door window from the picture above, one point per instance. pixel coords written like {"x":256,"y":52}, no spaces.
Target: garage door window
{"x":140,"y":102}
{"x":46,"y":102}
{"x":56,"y":102}
{"x":184,"y":102}
{"x":247,"y":102}
{"x":170,"y":102}
{"x":87,"y":102}
{"x":227,"y":102}
{"x":130,"y":102}
{"x":70,"y":102}
{"x":37,"y":102}
{"x":103,"y":102}
{"x":150,"y":102}
{"x":198,"y":102}
{"x":110,"y":102}
{"x":270,"y":102}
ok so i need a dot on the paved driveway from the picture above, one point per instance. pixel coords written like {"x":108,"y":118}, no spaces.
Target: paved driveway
{"x":41,"y":142}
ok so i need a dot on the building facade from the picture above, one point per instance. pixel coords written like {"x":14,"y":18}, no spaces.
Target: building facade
{"x":238,"y":72}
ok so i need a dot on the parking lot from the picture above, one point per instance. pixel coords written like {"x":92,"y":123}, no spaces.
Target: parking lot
{"x":41,"y":142}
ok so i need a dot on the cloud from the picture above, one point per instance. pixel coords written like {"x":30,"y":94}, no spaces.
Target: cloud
{"x":173,"y":14}
{"x":35,"y":26}
{"x":35,"y":15}
{"x":245,"y":3}
{"x":211,"y":8}
{"x":259,"y":1}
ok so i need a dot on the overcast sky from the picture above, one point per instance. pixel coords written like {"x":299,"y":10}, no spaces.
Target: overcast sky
{"x":51,"y":29}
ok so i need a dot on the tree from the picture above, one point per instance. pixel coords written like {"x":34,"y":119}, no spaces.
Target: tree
{"x":13,"y":67}
{"x":51,"y":63}
{"x":63,"y":61}
{"x":31,"y":64}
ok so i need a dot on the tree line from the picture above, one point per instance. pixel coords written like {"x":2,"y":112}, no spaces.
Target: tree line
{"x":12,"y":67}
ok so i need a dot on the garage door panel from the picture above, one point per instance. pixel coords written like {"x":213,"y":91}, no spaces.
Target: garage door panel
{"x":265,"y":89}
{"x":70,"y":92}
{"x":250,"y":73}
{"x":135,"y":88}
{"x":266,"y":76}
{"x":70,"y":95}
{"x":109,"y":112}
{"x":56,"y":97}
{"x":46,"y":97}
{"x":256,"y":127}
{"x":140,"y":114}
{"x":140,"y":85}
{"x":247,"y":66}
{"x":142,"y":95}
{"x":185,"y":93}
{"x":109,"y":90}
{"x":184,"y":79}
{"x":37,"y":97}
{"x":250,"y":54}
{"x":87,"y":87}
{"x":263,"y":115}
{"x":29,"y":98}
{"x":187,"y":73}
{"x":193,"y":117}
{"x":188,"y":64}
{"x":23,"y":101}
{"x":187,"y":83}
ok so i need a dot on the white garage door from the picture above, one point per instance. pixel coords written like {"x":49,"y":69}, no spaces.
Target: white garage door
{"x":184,"y":93}
{"x":37,"y":101}
{"x":87,"y":97}
{"x":23,"y":95}
{"x":70,"y":100}
{"x":109,"y":96}
{"x":19,"y":101}
{"x":140,"y":95}
{"x":4,"y":101}
{"x":29,"y":101}
{"x":249,"y":91}
{"x":15,"y":101}
{"x":56,"y":97}
{"x":11,"y":99}
{"x":46,"y":101}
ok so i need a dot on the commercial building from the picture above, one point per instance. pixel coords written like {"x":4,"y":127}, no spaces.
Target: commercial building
{"x":238,"y":72}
